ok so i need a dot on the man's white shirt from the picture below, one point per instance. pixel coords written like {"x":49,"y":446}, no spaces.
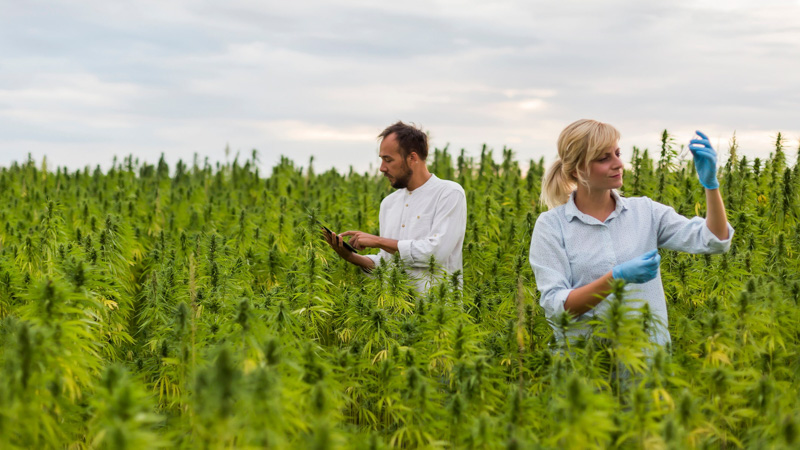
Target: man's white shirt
{"x":428,"y":221}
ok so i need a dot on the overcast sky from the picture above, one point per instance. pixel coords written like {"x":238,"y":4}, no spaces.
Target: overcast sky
{"x":83,"y":81}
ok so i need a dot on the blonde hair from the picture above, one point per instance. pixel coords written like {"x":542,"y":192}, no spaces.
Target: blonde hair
{"x":579,"y":144}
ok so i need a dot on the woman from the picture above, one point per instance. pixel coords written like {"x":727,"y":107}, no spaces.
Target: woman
{"x":591,"y":235}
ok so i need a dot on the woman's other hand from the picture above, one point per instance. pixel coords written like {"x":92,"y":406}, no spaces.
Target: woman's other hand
{"x":705,"y":161}
{"x":640,"y":269}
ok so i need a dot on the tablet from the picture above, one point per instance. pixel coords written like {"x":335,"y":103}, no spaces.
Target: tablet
{"x":328,"y":230}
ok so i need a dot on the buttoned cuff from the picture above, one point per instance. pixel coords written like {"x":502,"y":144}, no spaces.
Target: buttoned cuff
{"x":404,"y":248}
{"x":715,"y":244}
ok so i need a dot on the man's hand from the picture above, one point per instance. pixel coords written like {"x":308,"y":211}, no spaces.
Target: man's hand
{"x":337,"y":244}
{"x":360,"y":240}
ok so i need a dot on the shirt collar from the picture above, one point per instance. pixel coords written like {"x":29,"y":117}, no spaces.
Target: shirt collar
{"x":426,"y":185}
{"x":571,"y":211}
{"x":620,"y":201}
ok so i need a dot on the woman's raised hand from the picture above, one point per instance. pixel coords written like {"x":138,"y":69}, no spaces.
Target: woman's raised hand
{"x":638,"y":270}
{"x":705,"y":161}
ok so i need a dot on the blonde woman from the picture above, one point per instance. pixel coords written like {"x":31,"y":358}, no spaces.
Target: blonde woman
{"x":591,"y":235}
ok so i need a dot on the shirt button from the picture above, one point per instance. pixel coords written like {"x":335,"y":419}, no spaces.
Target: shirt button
{"x":404,"y":225}
{"x":406,"y":205}
{"x":417,"y":217}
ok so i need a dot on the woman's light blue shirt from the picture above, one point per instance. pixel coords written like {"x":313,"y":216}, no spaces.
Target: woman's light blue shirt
{"x":570,"y":249}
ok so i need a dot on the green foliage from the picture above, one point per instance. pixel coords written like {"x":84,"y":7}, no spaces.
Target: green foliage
{"x":199,"y":307}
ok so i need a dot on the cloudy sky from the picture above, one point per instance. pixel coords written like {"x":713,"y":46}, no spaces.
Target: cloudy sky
{"x":82,"y":81}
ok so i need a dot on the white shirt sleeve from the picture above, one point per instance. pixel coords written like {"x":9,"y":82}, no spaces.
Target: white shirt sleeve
{"x":448,"y":226}
{"x":550,"y":265}
{"x":676,"y":232}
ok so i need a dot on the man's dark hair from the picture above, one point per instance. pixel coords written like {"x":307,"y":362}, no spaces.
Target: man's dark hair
{"x":409,"y":138}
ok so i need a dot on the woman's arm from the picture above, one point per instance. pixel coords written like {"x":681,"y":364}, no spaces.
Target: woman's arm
{"x":716,"y":218}
{"x":641,"y":269}
{"x":586,"y":297}
{"x":552,"y":270}
{"x":705,"y":161}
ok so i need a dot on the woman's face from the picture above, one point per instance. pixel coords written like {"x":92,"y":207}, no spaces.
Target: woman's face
{"x":605,"y":172}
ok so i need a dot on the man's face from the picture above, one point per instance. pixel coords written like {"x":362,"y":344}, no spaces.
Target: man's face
{"x":393,"y":165}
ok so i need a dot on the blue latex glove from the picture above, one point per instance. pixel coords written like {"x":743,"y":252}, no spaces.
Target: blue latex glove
{"x":638,"y":270}
{"x":705,"y":161}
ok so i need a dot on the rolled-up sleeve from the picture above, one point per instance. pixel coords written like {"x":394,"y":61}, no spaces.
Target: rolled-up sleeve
{"x":447,"y":231}
{"x":550,"y":265}
{"x":676,"y":232}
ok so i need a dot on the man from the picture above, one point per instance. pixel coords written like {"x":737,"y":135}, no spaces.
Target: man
{"x":425,"y":217}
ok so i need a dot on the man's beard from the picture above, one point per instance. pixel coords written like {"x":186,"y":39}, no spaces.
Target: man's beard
{"x":401,"y":182}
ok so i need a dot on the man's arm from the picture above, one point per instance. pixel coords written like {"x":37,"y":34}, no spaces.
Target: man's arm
{"x":449,"y":225}
{"x":361,"y":240}
{"x":337,"y":244}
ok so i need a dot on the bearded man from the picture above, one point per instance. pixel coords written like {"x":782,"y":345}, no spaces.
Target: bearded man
{"x":425,"y":217}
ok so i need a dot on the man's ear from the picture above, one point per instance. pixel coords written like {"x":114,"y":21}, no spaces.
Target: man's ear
{"x":413,"y":157}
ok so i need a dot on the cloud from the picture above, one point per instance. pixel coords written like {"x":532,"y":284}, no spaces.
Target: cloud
{"x":314,"y":77}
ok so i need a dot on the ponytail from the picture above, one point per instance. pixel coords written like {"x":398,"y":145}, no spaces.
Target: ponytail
{"x":556,"y":186}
